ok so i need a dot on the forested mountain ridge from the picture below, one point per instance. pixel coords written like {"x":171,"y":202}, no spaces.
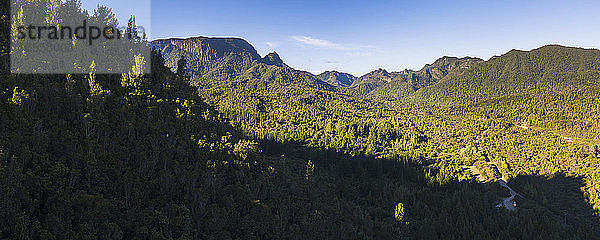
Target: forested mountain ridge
{"x":402,"y":84}
{"x":372,"y":80}
{"x":218,"y":61}
{"x":519,"y":72}
{"x":337,"y":78}
{"x":214,"y":60}
{"x":272,"y":59}
{"x":446,"y":65}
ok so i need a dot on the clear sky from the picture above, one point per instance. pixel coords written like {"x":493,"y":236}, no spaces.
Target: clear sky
{"x":124,"y":9}
{"x":361,"y":36}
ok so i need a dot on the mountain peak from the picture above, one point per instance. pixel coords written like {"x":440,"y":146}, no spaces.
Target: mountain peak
{"x":337,"y":78}
{"x":408,"y":81}
{"x":446,"y":65}
{"x":372,"y":80}
{"x":272,"y":59}
{"x":446,"y":61}
{"x":379,"y":71}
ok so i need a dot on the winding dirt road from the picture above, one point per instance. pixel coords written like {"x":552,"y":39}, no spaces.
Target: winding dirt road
{"x":508,"y":202}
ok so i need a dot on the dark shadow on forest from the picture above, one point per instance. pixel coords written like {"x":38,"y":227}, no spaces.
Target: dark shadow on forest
{"x":460,"y":209}
{"x":560,"y":196}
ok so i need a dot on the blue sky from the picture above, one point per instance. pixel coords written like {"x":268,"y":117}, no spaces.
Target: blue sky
{"x":124,"y":9}
{"x":361,"y":36}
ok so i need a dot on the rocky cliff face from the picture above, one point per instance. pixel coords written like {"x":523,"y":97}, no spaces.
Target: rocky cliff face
{"x":202,"y":49}
{"x":217,"y":61}
{"x":207,"y":49}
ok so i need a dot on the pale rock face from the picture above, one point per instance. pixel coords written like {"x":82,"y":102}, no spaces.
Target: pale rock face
{"x":202,"y":49}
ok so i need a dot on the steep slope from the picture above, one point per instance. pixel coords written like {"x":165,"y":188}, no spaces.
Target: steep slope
{"x":202,"y":49}
{"x":519,"y":72}
{"x":273,"y":59}
{"x":337,"y":78}
{"x":443,"y":67}
{"x":216,"y":61}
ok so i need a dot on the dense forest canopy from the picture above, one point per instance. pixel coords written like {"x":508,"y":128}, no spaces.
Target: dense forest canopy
{"x":221,"y":143}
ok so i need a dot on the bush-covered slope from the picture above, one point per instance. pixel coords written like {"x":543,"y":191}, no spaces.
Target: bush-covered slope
{"x":337,"y":78}
{"x":216,"y":61}
{"x":399,"y":85}
{"x":519,"y":72}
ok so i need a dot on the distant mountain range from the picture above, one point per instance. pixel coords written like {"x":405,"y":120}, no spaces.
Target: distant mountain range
{"x":213,"y":61}
{"x":402,"y":84}
{"x":337,"y":78}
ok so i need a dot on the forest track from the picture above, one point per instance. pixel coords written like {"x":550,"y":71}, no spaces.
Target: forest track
{"x":508,"y":202}
{"x":568,"y":139}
